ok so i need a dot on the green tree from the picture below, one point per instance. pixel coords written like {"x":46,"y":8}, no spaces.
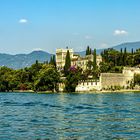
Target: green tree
{"x":67,"y":63}
{"x":94,"y":60}
{"x":72,"y":79}
{"x":53,"y":60}
{"x":6,"y":76}
{"x":125,"y":57}
{"x":88,"y":50}
{"x":104,"y":67}
{"x":47,"y":79}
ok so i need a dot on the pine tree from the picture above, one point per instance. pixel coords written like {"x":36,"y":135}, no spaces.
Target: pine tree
{"x":67,"y":63}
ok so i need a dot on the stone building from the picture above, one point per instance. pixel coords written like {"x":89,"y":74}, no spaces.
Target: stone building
{"x":83,"y":61}
{"x":76,"y":60}
{"x":60,"y":57}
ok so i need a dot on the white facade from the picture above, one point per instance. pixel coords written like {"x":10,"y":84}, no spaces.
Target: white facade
{"x":88,"y":86}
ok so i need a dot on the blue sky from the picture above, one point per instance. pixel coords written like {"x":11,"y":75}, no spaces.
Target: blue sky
{"x":27,"y":25}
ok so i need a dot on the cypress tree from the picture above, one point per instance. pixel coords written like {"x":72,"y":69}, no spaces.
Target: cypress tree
{"x":94,"y":59}
{"x":125,"y":56}
{"x":36,"y":62}
{"x":87,"y":50}
{"x":90,"y":51}
{"x":121,"y":58}
{"x":132,"y":51}
{"x":67,"y":63}
{"x":53,"y":61}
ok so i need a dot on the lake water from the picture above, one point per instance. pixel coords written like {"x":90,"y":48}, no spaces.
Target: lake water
{"x":28,"y":116}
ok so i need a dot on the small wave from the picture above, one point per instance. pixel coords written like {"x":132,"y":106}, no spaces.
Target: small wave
{"x":10,"y":103}
{"x":83,"y":107}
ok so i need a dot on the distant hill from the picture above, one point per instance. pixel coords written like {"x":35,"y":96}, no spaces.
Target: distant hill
{"x":23,"y":60}
{"x":128,"y":46}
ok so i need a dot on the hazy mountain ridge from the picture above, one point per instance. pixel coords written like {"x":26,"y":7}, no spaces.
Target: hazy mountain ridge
{"x":128,"y":46}
{"x":25,"y":60}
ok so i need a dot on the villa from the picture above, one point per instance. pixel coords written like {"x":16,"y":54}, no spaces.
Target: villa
{"x":76,"y":60}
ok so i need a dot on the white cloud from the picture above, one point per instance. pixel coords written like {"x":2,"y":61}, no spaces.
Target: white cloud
{"x":23,"y":20}
{"x":120,"y":32}
{"x":88,"y":37}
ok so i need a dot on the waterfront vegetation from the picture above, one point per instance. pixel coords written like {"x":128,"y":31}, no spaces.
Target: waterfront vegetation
{"x":45,"y":77}
{"x":38,"y":77}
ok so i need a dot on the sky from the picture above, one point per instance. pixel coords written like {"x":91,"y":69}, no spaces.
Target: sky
{"x":28,"y":25}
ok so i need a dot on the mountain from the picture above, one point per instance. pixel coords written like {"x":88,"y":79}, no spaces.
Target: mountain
{"x":23,"y":60}
{"x":128,"y":46}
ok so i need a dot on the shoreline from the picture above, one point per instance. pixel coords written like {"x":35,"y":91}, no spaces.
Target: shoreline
{"x":84,"y":92}
{"x":80,"y":92}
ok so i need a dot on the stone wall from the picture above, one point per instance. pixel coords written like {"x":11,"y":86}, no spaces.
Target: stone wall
{"x":112,"y":79}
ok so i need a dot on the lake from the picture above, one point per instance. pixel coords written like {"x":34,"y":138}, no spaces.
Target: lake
{"x":69,"y":116}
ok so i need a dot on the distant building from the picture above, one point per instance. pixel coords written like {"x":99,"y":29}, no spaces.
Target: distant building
{"x":60,"y":57}
{"x":83,"y":61}
{"x":76,"y":60}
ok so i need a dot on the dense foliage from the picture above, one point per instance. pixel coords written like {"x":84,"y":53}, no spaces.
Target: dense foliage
{"x":38,"y":77}
{"x":114,"y":61}
{"x":72,"y":79}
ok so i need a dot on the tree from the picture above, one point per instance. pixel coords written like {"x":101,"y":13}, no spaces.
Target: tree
{"x":6,"y":79}
{"x":132,"y":51}
{"x":67,"y":63}
{"x":104,"y":67}
{"x":94,"y":59}
{"x":125,"y":57}
{"x":121,"y":58}
{"x":47,"y":79}
{"x":72,"y":79}
{"x":88,"y":50}
{"x":53,"y":60}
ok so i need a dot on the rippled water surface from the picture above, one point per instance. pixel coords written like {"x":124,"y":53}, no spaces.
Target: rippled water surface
{"x":28,"y":116}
